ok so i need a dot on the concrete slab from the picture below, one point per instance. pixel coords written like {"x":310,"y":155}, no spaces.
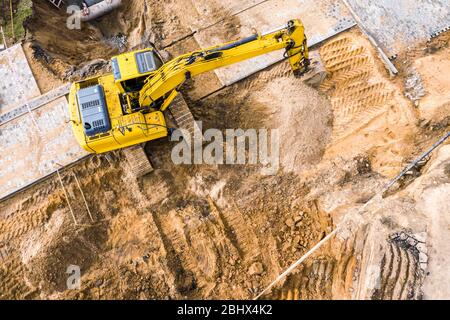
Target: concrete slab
{"x":399,"y":24}
{"x":321,"y":18}
{"x":17,"y":84}
{"x":33,"y":147}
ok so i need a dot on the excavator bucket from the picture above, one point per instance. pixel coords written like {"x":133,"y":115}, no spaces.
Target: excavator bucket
{"x":316,"y":72}
{"x":305,"y":64}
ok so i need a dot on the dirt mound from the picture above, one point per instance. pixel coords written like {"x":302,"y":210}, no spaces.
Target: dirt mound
{"x":275,"y":99}
{"x":304,"y":119}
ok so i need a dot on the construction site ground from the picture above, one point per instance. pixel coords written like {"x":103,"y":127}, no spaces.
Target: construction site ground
{"x":227,"y":231}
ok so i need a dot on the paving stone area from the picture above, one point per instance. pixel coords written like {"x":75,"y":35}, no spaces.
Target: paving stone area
{"x":17,"y":84}
{"x":399,"y":24}
{"x":35,"y":136}
{"x":35,"y":146}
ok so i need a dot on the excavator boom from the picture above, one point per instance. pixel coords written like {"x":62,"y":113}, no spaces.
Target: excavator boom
{"x":172,"y":75}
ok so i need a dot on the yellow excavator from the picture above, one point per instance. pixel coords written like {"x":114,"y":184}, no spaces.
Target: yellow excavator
{"x":127,"y":107}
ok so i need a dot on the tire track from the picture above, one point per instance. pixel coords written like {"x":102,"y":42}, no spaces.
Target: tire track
{"x":399,"y":274}
{"x":357,"y":93}
{"x":313,"y":281}
{"x":242,"y":236}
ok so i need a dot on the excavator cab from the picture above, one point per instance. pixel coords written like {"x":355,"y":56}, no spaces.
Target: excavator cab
{"x":105,"y":111}
{"x":132,"y":68}
{"x":130,"y":71}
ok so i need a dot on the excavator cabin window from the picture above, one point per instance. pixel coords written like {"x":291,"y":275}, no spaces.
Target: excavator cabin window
{"x":134,"y":85}
{"x":132,"y":69}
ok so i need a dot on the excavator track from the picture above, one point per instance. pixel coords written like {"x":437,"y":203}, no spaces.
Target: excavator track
{"x":183,"y":117}
{"x":138,"y":161}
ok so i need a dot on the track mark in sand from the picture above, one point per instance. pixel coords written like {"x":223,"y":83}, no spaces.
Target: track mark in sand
{"x":399,"y":274}
{"x":345,"y":269}
{"x":11,"y":279}
{"x":394,"y":273}
{"x":359,"y":94}
{"x":402,"y":277}
{"x":337,"y":46}
{"x":192,"y":246}
{"x":20,"y":223}
{"x":312,"y":281}
{"x":242,"y":236}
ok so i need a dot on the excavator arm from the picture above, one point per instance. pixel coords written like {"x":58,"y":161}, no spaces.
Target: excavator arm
{"x":163,"y":85}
